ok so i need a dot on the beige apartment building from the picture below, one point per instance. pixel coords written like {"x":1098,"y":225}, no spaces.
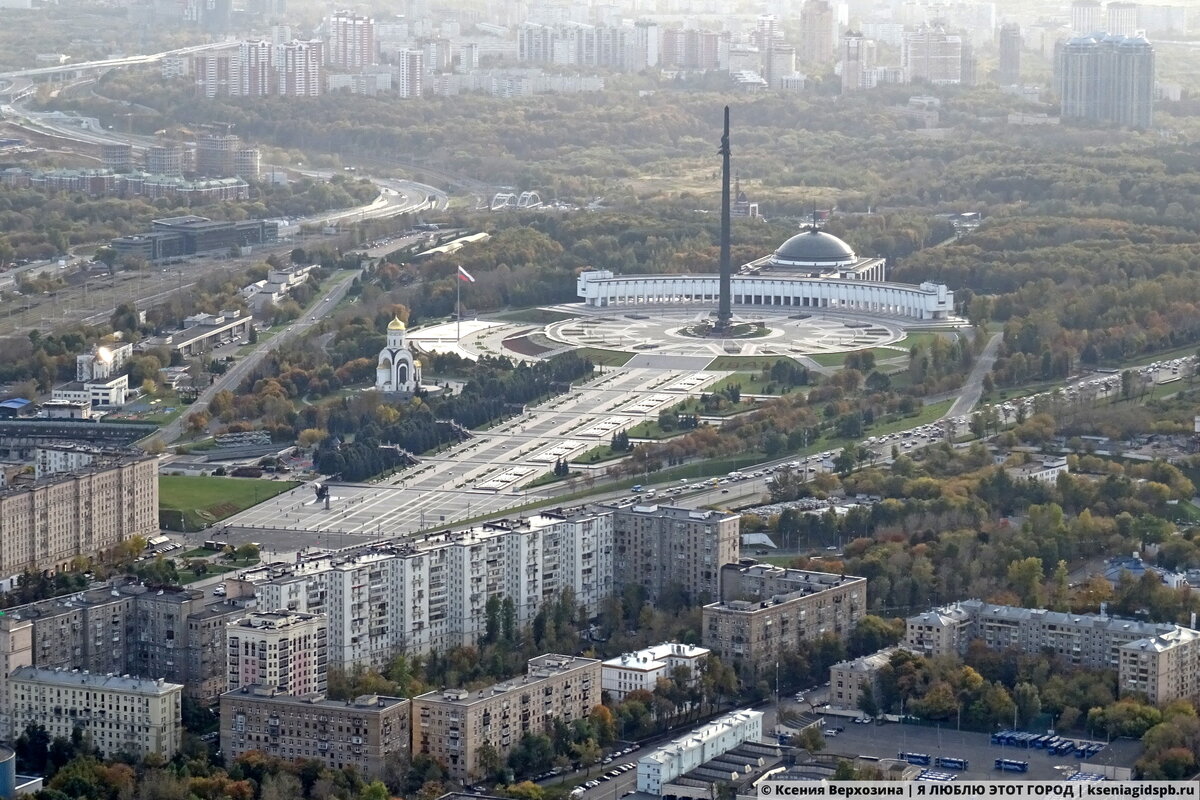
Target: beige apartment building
{"x":451,"y":725}
{"x":281,"y":650}
{"x":849,"y":680}
{"x":117,"y":713}
{"x":1163,"y":668}
{"x":766,"y":611}
{"x":46,"y":524}
{"x":662,"y":547}
{"x":365,"y":733}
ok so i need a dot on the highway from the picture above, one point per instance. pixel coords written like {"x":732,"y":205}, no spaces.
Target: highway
{"x":241,"y":369}
{"x":111,"y":63}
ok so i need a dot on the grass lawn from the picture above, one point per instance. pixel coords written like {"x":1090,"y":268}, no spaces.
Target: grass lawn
{"x":605,"y":358}
{"x":547,"y":478}
{"x":837,"y":359}
{"x":186,"y":576}
{"x":649,"y":429}
{"x":597,"y":454}
{"x":193,"y":502}
{"x":745,"y":363}
{"x":751,"y":383}
{"x":929,"y":413}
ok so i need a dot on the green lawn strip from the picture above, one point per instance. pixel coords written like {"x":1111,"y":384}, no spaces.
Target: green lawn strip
{"x":605,"y":358}
{"x":201,"y":500}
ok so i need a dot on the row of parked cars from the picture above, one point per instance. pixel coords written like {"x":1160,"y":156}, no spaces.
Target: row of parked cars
{"x":608,"y":776}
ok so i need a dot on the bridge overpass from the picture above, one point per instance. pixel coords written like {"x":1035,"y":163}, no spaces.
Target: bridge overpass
{"x":84,"y":67}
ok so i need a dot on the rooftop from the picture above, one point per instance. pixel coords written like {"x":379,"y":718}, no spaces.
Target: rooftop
{"x":816,"y":248}
{"x":366,"y":702}
{"x":656,"y":656}
{"x":110,"y":682}
{"x":538,"y":669}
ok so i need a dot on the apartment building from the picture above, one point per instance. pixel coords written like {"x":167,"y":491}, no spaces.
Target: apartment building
{"x":172,"y":633}
{"x":931,"y":54}
{"x":365,"y":733}
{"x":766,"y":611}
{"x":432,"y":594}
{"x":351,"y":41}
{"x":453,"y":724}
{"x":46,"y":524}
{"x":1085,"y":640}
{"x":642,"y":669}
{"x":118,"y":714}
{"x":850,"y":680}
{"x":284,"y":651}
{"x":1165,"y":667}
{"x":665,"y":548}
{"x":1106,"y":79}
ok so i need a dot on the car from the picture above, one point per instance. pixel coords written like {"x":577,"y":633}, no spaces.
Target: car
{"x":607,"y":760}
{"x":604,"y":778}
{"x":724,"y":491}
{"x":578,"y":790}
{"x":830,"y":732}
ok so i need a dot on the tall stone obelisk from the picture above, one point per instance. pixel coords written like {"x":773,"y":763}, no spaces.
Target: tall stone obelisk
{"x":724,"y":304}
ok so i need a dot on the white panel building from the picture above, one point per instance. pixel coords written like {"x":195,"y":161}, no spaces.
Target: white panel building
{"x":682,"y":756}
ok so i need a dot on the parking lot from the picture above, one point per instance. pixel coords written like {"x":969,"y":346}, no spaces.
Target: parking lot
{"x":887,"y":741}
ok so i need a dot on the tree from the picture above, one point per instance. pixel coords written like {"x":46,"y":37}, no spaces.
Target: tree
{"x":587,"y":753}
{"x":1025,"y":577}
{"x":1029,"y":703}
{"x":867,"y":702}
{"x":247,"y":552}
{"x":489,"y":761}
{"x":1060,"y":589}
{"x":810,"y":739}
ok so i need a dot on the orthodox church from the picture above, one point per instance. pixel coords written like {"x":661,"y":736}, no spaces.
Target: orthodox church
{"x":398,"y":372}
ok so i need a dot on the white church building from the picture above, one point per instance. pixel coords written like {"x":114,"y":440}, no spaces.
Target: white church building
{"x":398,"y":372}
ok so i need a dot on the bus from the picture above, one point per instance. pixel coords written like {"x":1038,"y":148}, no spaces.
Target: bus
{"x":950,"y":763}
{"x":920,"y":759}
{"x":1012,"y":765}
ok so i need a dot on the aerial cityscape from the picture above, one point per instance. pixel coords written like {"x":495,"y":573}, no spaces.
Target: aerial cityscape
{"x":581,"y":400}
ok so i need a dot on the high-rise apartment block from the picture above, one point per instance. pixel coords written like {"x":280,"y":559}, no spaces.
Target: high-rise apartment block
{"x":818,"y":33}
{"x":46,"y":524}
{"x":216,"y":74}
{"x":931,"y":54}
{"x":1010,"y":55}
{"x":283,"y":651}
{"x":432,"y":594}
{"x":1107,"y":80}
{"x":1122,"y":19}
{"x":674,"y":549}
{"x":452,"y":725}
{"x":693,"y":49}
{"x":165,"y":159}
{"x":255,"y":68}
{"x":366,"y":733}
{"x":766,"y":611}
{"x":118,"y":714}
{"x":298,"y":67}
{"x":858,"y":62}
{"x":1085,"y":17}
{"x":351,"y":42}
{"x":410,"y":71}
{"x":117,"y":156}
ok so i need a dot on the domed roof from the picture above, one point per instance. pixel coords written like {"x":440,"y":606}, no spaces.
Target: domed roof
{"x":814,"y":247}
{"x":396,"y":324}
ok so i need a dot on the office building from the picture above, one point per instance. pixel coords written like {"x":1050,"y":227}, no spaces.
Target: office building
{"x":117,"y":714}
{"x":858,"y":62}
{"x":659,"y":769}
{"x":174,"y":237}
{"x":432,"y":595}
{"x":641,"y":670}
{"x":367,"y":733}
{"x":351,"y":42}
{"x":668,"y":549}
{"x":203,"y":332}
{"x":102,"y":361}
{"x":1110,"y":80}
{"x":1122,"y":19}
{"x":1010,"y":55}
{"x":282,"y":651}
{"x":47,"y":524}
{"x":451,"y":725}
{"x":930,"y":54}
{"x":1085,"y":17}
{"x":766,"y":611}
{"x":779,"y":63}
{"x":818,"y":33}
{"x":298,"y":67}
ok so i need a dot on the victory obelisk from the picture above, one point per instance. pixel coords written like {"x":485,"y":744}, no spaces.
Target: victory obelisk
{"x":724,"y":309}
